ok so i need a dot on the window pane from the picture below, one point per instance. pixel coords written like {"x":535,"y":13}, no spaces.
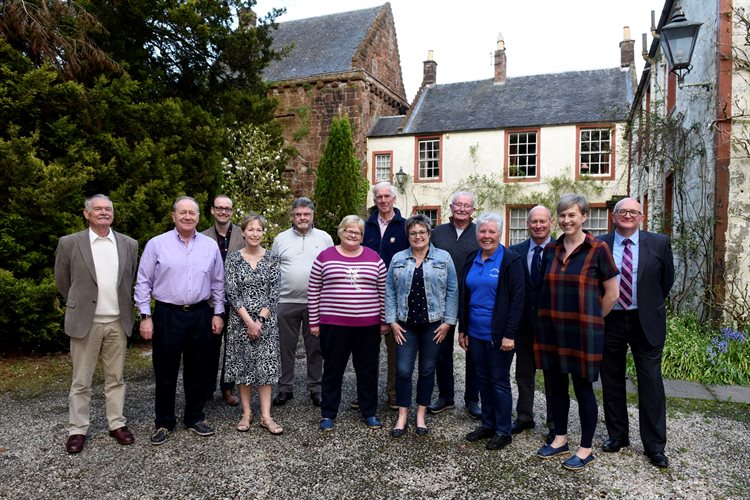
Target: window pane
{"x":429,"y":158}
{"x":597,"y":221}
{"x":432,"y":213}
{"x":383,"y":167}
{"x":517,"y":226}
{"x":522,"y":160}
{"x":595,"y":152}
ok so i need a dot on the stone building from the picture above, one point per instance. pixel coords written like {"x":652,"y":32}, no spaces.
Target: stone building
{"x":344,"y":64}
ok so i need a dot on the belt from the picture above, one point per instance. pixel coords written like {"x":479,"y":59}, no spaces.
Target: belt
{"x":624,"y":311}
{"x":183,"y":308}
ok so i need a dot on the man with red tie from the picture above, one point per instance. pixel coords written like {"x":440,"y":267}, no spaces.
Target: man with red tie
{"x":638,"y":320}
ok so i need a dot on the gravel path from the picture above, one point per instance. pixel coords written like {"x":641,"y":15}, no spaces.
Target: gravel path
{"x":709,"y":457}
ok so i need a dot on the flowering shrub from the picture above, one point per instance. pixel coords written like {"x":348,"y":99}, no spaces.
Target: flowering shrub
{"x":253,"y":179}
{"x":694,"y":351}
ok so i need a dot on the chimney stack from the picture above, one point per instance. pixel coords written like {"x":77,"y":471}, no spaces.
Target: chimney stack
{"x":500,"y":59}
{"x":627,"y":49}
{"x":429,"y":75}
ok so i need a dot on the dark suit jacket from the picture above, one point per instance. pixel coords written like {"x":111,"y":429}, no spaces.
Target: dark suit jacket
{"x":75,"y":277}
{"x":655,"y":278}
{"x":532,"y":293}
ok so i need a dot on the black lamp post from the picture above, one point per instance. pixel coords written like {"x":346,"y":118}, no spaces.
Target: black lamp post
{"x":677,"y":41}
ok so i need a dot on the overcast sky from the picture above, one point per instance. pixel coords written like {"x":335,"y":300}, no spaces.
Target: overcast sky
{"x":541,"y":36}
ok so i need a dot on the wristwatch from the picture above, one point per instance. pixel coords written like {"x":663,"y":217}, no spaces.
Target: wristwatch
{"x":143,"y":316}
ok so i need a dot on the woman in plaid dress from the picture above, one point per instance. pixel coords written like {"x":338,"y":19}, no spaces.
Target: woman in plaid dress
{"x":580,"y":288}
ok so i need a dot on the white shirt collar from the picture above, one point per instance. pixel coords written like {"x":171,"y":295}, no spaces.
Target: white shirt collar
{"x":93,"y":236}
{"x":533,"y":245}
{"x":633,"y":238}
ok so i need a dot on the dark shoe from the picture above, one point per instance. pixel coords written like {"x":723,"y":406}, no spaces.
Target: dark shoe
{"x":122,"y":435}
{"x":201,"y":429}
{"x":355,"y":405}
{"x":614,"y":445}
{"x":658,"y":459}
{"x":519,"y":426}
{"x":547,"y":451}
{"x":397,"y":433}
{"x":373,"y":422}
{"x":421,"y":431}
{"x":474,"y":410}
{"x":550,"y":437}
{"x":498,"y":442}
{"x":281,"y":398}
{"x":315,"y":398}
{"x":230,"y":398}
{"x":440,"y":406}
{"x":75,"y":443}
{"x":326,"y":424}
{"x":392,"y":404}
{"x":160,"y":436}
{"x":480,"y":433}
{"x":575,"y":463}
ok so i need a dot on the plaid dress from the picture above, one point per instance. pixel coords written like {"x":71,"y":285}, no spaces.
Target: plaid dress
{"x":570,"y":336}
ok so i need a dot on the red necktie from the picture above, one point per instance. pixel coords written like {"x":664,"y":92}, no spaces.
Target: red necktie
{"x":626,"y":276}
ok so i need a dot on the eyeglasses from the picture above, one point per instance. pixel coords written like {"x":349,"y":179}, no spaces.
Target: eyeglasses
{"x":302,"y":214}
{"x":350,"y":232}
{"x":632,"y":213}
{"x":421,"y":234}
{"x":228,"y":210}
{"x":462,"y":206}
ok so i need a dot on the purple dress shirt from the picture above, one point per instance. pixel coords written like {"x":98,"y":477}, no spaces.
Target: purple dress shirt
{"x":180,"y":274}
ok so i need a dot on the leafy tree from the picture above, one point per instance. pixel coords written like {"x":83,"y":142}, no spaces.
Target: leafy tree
{"x":340,"y":188}
{"x":253,"y":178}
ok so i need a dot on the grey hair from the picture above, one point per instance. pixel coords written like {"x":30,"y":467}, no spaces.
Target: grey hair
{"x":381,"y":185}
{"x":303,"y":201}
{"x":619,"y":203}
{"x":549,"y":212}
{"x":251,"y":216}
{"x":348,"y":221}
{"x":470,"y":194}
{"x":90,"y":200}
{"x":419,"y":219}
{"x":570,"y":199}
{"x":486,"y":217}
{"x":183,"y":198}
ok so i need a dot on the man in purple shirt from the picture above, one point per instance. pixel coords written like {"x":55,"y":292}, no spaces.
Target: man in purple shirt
{"x":182,"y":269}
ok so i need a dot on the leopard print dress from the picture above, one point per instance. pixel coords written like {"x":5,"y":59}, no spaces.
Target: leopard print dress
{"x":252,"y":362}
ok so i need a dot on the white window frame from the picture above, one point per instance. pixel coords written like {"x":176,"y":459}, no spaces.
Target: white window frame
{"x":596,"y":154}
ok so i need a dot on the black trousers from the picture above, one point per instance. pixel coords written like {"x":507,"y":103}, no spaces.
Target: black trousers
{"x":444,"y":372}
{"x":623,"y":329}
{"x":587,"y":407}
{"x":216,"y":360}
{"x":181,"y":335}
{"x":338,"y":343}
{"x":526,"y":381}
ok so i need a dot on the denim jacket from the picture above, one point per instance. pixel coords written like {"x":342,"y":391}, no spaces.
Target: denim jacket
{"x":440,"y":283}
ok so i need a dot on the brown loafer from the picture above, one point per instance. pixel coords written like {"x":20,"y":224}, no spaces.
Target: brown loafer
{"x":75,"y":443}
{"x":230,"y":398}
{"x":122,"y":435}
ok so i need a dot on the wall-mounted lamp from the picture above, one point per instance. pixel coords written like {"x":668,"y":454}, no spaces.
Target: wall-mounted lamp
{"x":401,"y":178}
{"x":677,"y":40}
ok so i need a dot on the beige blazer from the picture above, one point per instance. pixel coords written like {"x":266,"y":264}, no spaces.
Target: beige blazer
{"x":75,"y":277}
{"x":236,"y":241}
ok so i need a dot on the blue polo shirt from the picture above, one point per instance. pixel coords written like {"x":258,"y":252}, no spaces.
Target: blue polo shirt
{"x":482,"y":284}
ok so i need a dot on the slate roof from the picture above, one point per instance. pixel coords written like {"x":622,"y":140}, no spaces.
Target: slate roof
{"x":322,"y":45}
{"x":537,"y":100}
{"x":386,"y":126}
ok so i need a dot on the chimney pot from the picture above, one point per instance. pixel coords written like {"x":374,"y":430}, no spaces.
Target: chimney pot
{"x":627,"y":48}
{"x":500,"y":60}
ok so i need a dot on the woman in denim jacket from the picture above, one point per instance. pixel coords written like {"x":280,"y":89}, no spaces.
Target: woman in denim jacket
{"x":421,"y":303}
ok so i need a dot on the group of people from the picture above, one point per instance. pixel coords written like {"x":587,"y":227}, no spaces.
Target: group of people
{"x":571,"y":307}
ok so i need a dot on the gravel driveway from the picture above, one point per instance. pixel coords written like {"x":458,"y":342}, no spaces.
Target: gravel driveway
{"x":709,"y":456}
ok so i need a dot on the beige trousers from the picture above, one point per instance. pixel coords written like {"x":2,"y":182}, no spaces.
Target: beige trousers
{"x":109,"y":341}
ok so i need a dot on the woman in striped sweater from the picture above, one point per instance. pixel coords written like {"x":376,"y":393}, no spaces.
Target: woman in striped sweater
{"x":346,"y":295}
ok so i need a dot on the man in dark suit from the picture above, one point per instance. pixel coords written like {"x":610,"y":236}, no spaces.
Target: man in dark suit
{"x":94,"y":271}
{"x":638,"y":320}
{"x":229,"y":238}
{"x":539,"y":223}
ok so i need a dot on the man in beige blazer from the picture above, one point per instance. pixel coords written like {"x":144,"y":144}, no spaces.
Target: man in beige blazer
{"x":229,"y":238}
{"x":94,"y":272}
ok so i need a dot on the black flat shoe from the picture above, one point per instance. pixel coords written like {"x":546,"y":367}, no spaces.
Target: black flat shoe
{"x":480,"y":433}
{"x":498,"y":442}
{"x":421,"y":431}
{"x":397,"y":433}
{"x":658,"y":459}
{"x":282,"y":397}
{"x":519,"y":426}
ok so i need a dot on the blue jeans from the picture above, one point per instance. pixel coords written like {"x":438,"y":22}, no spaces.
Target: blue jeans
{"x":418,"y":340}
{"x":493,"y":372}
